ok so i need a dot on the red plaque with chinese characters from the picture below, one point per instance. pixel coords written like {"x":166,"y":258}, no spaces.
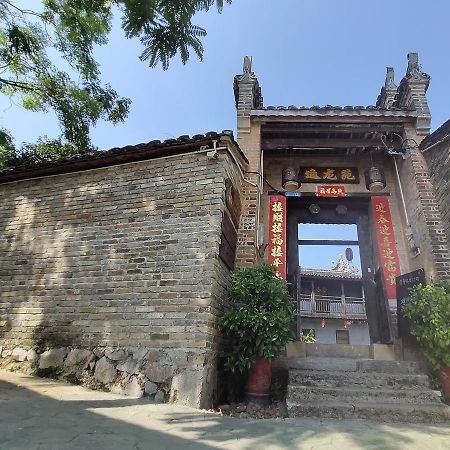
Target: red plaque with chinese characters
{"x":330,"y":190}
{"x":277,"y":235}
{"x":386,"y":244}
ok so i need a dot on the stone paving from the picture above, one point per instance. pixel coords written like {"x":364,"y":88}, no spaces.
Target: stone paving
{"x":42,"y":414}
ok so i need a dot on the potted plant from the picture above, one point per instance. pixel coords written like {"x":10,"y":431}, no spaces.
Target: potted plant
{"x":429,"y":313}
{"x":257,"y":324}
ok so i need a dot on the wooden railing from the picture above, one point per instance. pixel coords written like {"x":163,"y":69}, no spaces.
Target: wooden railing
{"x":331,"y":306}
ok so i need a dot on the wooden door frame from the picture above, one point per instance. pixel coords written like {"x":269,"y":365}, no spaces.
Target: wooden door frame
{"x":358,"y":213}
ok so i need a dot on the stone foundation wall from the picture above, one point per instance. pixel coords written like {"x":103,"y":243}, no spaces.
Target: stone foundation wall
{"x":114,"y":275}
{"x":134,"y":371}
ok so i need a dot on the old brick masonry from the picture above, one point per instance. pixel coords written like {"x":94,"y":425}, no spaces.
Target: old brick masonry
{"x":112,"y":275}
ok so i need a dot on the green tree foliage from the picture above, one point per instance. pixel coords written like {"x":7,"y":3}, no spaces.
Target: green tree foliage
{"x":260,"y":318}
{"x":7,"y":150}
{"x":429,"y":313}
{"x":47,"y":56}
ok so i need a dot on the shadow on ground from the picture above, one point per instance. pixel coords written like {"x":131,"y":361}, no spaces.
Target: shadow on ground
{"x":46,"y":414}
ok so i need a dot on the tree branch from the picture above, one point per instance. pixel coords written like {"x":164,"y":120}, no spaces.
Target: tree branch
{"x":22,"y":11}
{"x":19,"y":85}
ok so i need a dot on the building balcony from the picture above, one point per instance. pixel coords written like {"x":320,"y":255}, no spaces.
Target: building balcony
{"x":331,"y":307}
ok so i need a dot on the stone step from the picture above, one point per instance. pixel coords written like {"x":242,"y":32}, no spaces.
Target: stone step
{"x":307,"y":394}
{"x":317,"y":363}
{"x":336,"y":379}
{"x":351,"y":365}
{"x":380,"y":412}
{"x":393,"y":367}
{"x":303,"y":349}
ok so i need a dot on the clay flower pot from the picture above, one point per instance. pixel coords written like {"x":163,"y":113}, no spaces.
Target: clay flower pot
{"x":445,"y":380}
{"x":259,"y":379}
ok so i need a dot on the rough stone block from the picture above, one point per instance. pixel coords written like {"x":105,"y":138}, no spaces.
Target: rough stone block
{"x":116,"y":355}
{"x":150,"y":388}
{"x":133,"y":388}
{"x":32,"y":355}
{"x":153,"y":355}
{"x":105,"y":372}
{"x":157,"y":373}
{"x":19,"y":354}
{"x":160,"y":397}
{"x":79,"y":357}
{"x":139,"y":353}
{"x":99,"y":352}
{"x":187,"y":387}
{"x":52,"y":358}
{"x":129,"y":366}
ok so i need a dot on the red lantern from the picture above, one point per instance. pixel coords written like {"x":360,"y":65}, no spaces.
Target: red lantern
{"x":322,"y":323}
{"x":345,"y":323}
{"x":349,"y":254}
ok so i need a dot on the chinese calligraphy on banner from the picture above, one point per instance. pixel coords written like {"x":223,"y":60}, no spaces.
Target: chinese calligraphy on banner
{"x":277,"y":235}
{"x":386,"y":244}
{"x":329,"y":175}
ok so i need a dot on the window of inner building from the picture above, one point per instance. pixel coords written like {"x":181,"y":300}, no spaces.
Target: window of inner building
{"x":342,"y":337}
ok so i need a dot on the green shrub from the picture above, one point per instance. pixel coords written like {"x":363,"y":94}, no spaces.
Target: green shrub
{"x":260,"y":318}
{"x":309,"y":337}
{"x":429,"y":313}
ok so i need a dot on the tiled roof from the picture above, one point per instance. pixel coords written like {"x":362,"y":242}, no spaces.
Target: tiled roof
{"x":329,"y":110}
{"x":32,"y":168}
{"x":441,"y":133}
{"x":331,"y":107}
{"x":332,"y":274}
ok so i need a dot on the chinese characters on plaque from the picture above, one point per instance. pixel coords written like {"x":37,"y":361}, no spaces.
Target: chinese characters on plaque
{"x":386,"y":244}
{"x":329,"y":175}
{"x":277,"y":235}
{"x":330,"y":190}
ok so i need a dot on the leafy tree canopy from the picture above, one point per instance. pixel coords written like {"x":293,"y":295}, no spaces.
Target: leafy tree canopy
{"x":47,"y":59}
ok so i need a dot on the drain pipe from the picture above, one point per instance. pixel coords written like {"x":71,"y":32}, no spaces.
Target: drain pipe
{"x":413,"y":240}
{"x":401,"y":192}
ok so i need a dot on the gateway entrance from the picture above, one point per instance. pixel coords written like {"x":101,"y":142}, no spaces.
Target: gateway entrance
{"x":330,"y":261}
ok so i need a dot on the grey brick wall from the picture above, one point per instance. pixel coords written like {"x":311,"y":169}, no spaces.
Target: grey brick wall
{"x":425,"y":215}
{"x":439,"y":166}
{"x":124,"y":257}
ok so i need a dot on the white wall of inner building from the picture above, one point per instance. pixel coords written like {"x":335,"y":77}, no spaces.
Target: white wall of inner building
{"x":358,"y":331}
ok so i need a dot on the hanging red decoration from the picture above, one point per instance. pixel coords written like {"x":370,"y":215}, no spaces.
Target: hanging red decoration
{"x":349,"y":254}
{"x":322,"y":323}
{"x":345,"y":323}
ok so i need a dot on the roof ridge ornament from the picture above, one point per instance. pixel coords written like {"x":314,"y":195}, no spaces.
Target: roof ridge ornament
{"x":412,"y":93}
{"x":388,"y":93}
{"x":248,"y":65}
{"x":247,"y":94}
{"x":389,"y":82}
{"x":414,"y":71}
{"x":342,"y":266}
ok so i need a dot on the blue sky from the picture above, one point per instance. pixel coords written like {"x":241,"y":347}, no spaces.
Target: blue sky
{"x":308,"y":254}
{"x":313,"y":52}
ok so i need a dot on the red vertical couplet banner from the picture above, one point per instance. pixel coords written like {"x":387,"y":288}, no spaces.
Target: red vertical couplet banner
{"x":277,"y":235}
{"x":386,"y":244}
